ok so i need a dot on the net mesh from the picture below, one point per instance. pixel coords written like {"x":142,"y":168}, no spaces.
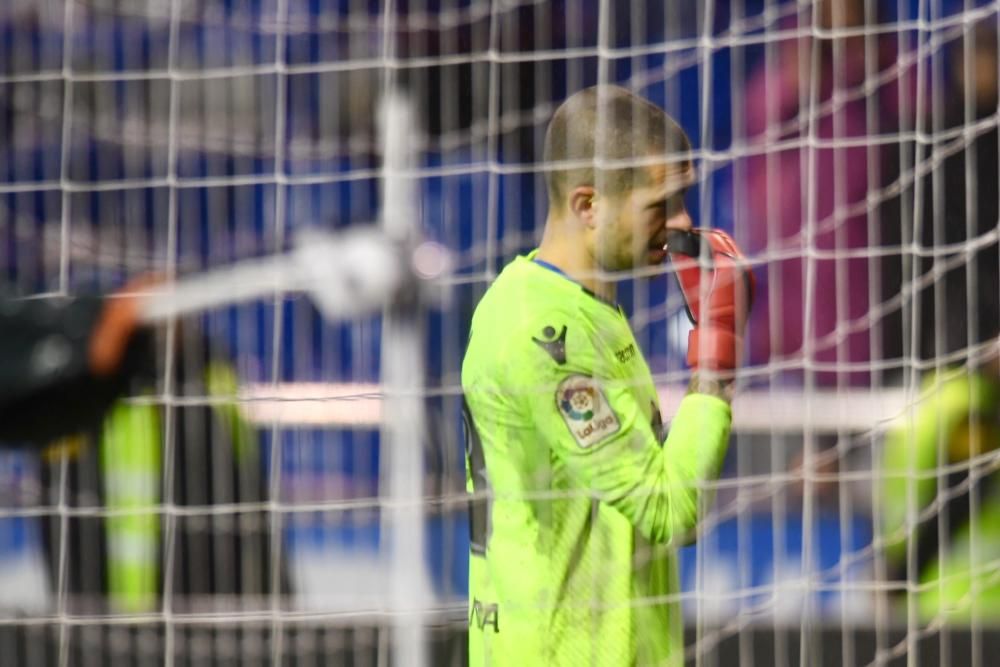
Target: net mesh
{"x":234,"y":511}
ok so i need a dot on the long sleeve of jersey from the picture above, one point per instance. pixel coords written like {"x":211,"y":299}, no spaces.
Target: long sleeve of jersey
{"x":605,"y":440}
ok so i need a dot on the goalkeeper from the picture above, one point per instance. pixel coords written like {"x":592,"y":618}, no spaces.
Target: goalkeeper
{"x":580,"y":503}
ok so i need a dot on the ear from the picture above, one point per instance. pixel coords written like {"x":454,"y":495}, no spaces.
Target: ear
{"x":581,"y":202}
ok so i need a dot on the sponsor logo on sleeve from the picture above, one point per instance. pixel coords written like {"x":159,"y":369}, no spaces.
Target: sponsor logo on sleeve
{"x":626,"y":354}
{"x":554,"y":344}
{"x":585,"y":410}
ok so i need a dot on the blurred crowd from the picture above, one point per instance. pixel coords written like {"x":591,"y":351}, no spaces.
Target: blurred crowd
{"x":878,"y":243}
{"x":875,"y":247}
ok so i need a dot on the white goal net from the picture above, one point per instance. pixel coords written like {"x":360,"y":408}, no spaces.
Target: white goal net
{"x":288,"y":488}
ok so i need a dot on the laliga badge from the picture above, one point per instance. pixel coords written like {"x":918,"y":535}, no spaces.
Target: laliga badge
{"x":585,"y":410}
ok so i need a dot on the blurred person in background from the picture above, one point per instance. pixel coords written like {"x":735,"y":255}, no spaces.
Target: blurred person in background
{"x":65,"y":364}
{"x":957,"y":301}
{"x":220,"y":561}
{"x":954,"y":426}
{"x":955,"y":423}
{"x":788,"y":100}
{"x":64,"y":361}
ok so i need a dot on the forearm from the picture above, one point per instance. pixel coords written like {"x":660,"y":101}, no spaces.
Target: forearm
{"x":666,"y":488}
{"x":695,"y":448}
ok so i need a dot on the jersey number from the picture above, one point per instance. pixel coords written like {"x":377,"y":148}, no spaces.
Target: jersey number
{"x":480,"y":505}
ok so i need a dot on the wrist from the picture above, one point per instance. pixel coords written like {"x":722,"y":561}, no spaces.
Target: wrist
{"x":712,"y":384}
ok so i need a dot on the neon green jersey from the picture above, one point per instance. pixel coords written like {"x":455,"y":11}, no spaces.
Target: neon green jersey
{"x":957,"y":576}
{"x":579,"y":505}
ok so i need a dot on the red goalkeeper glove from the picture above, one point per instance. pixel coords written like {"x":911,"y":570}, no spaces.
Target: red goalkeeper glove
{"x":718,"y":289}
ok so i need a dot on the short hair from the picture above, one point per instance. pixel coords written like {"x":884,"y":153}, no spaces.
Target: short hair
{"x":607,"y":123}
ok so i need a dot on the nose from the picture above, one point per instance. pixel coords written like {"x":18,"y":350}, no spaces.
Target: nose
{"x":680,"y":222}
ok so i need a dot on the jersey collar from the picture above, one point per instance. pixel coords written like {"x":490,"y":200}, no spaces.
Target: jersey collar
{"x":555,"y":269}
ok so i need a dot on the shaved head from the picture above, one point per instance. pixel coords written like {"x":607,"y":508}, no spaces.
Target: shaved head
{"x":607,"y":123}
